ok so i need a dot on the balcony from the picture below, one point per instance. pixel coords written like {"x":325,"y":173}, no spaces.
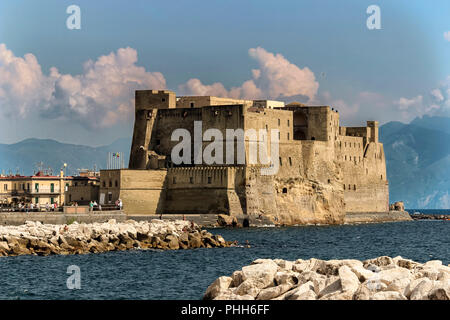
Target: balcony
{"x":42,"y":191}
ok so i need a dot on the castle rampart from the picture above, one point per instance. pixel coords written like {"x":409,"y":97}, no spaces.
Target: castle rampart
{"x":324,"y":171}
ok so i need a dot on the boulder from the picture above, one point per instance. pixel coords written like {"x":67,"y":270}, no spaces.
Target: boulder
{"x":389,"y":275}
{"x":226,"y":221}
{"x":250,"y":287}
{"x":388,"y":295}
{"x":362,"y":273}
{"x":333,"y":287}
{"x":349,"y":281}
{"x":219,"y":286}
{"x":262,"y":273}
{"x":380,"y":261}
{"x":172,"y":242}
{"x":303,"y":292}
{"x":273,"y":292}
{"x":289,"y":277}
{"x":237,"y":277}
{"x":439,"y":294}
{"x":422,"y":290}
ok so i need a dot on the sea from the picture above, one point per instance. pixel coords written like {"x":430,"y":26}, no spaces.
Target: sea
{"x":185,"y":274}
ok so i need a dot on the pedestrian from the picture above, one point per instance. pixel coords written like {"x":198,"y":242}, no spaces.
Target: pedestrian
{"x":120,"y":204}
{"x":91,"y":206}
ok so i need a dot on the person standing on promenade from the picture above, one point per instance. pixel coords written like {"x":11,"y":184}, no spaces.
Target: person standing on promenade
{"x":91,"y":206}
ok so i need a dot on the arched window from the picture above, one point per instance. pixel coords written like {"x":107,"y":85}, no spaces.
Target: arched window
{"x":284,"y":190}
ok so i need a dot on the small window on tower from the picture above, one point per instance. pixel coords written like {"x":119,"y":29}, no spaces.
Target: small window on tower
{"x":192,"y":104}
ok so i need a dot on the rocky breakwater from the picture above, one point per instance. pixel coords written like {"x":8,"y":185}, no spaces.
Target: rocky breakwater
{"x":382,"y":278}
{"x":45,"y":239}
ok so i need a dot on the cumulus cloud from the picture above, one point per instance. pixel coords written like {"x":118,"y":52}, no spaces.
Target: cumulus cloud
{"x":275,"y":78}
{"x":405,"y":104}
{"x":99,"y":97}
{"x":22,"y":83}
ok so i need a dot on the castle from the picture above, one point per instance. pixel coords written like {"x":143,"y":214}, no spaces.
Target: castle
{"x":325,"y":170}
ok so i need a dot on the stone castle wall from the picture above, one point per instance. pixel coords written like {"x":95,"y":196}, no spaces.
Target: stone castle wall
{"x":325,"y":170}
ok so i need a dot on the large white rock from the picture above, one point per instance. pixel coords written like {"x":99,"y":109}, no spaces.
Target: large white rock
{"x":388,"y":295}
{"x":290,"y":277}
{"x":422,"y":290}
{"x":273,"y":292}
{"x":304,"y":292}
{"x":349,"y":280}
{"x":262,"y":273}
{"x":389,"y":275}
{"x":220,"y":285}
{"x":362,"y":273}
{"x":250,"y":287}
{"x":333,"y":287}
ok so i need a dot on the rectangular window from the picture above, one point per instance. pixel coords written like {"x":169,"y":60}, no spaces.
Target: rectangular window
{"x":290,"y":161}
{"x":52,"y":200}
{"x":209,"y":180}
{"x":191,"y":180}
{"x":279,"y":122}
{"x":281,"y":162}
{"x":288,"y":135}
{"x":36,"y":200}
{"x":174,"y":180}
{"x":36,"y":187}
{"x":5,"y":187}
{"x":52,"y":187}
{"x":288,"y":122}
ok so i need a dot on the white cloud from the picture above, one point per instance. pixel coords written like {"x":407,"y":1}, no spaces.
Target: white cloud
{"x":437,"y":95}
{"x":275,"y":78}
{"x":99,"y":97}
{"x":447,"y":35}
{"x":405,"y":104}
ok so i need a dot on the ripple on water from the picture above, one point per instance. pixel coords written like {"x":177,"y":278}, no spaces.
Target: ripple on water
{"x":185,"y":274}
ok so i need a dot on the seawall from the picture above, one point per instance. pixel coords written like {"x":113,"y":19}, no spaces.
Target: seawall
{"x":376,"y":217}
{"x":19,"y":218}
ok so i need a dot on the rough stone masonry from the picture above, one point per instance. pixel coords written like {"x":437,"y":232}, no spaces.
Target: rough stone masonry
{"x":326,"y":170}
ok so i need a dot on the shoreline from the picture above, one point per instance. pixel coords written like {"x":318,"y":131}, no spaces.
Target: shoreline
{"x":35,"y":238}
{"x":382,"y":278}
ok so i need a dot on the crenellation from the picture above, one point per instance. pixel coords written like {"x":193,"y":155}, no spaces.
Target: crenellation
{"x":325,"y":170}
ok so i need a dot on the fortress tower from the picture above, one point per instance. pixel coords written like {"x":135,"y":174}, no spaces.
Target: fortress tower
{"x":325,"y":170}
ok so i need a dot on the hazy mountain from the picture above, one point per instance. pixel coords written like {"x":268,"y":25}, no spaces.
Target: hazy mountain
{"x":24,"y":156}
{"x":418,"y":161}
{"x":417,"y":157}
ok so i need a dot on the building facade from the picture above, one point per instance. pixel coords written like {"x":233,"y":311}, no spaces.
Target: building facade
{"x":325,"y":170}
{"x":45,"y":189}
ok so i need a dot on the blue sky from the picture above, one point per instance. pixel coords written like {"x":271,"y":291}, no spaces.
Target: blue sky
{"x":368,"y":72}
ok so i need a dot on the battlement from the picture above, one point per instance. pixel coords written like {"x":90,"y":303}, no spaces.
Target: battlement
{"x":154,"y":99}
{"x":320,"y":162}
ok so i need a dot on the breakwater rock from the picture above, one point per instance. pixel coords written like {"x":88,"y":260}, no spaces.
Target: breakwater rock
{"x":382,"y":278}
{"x":421,"y":216}
{"x":45,"y":239}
